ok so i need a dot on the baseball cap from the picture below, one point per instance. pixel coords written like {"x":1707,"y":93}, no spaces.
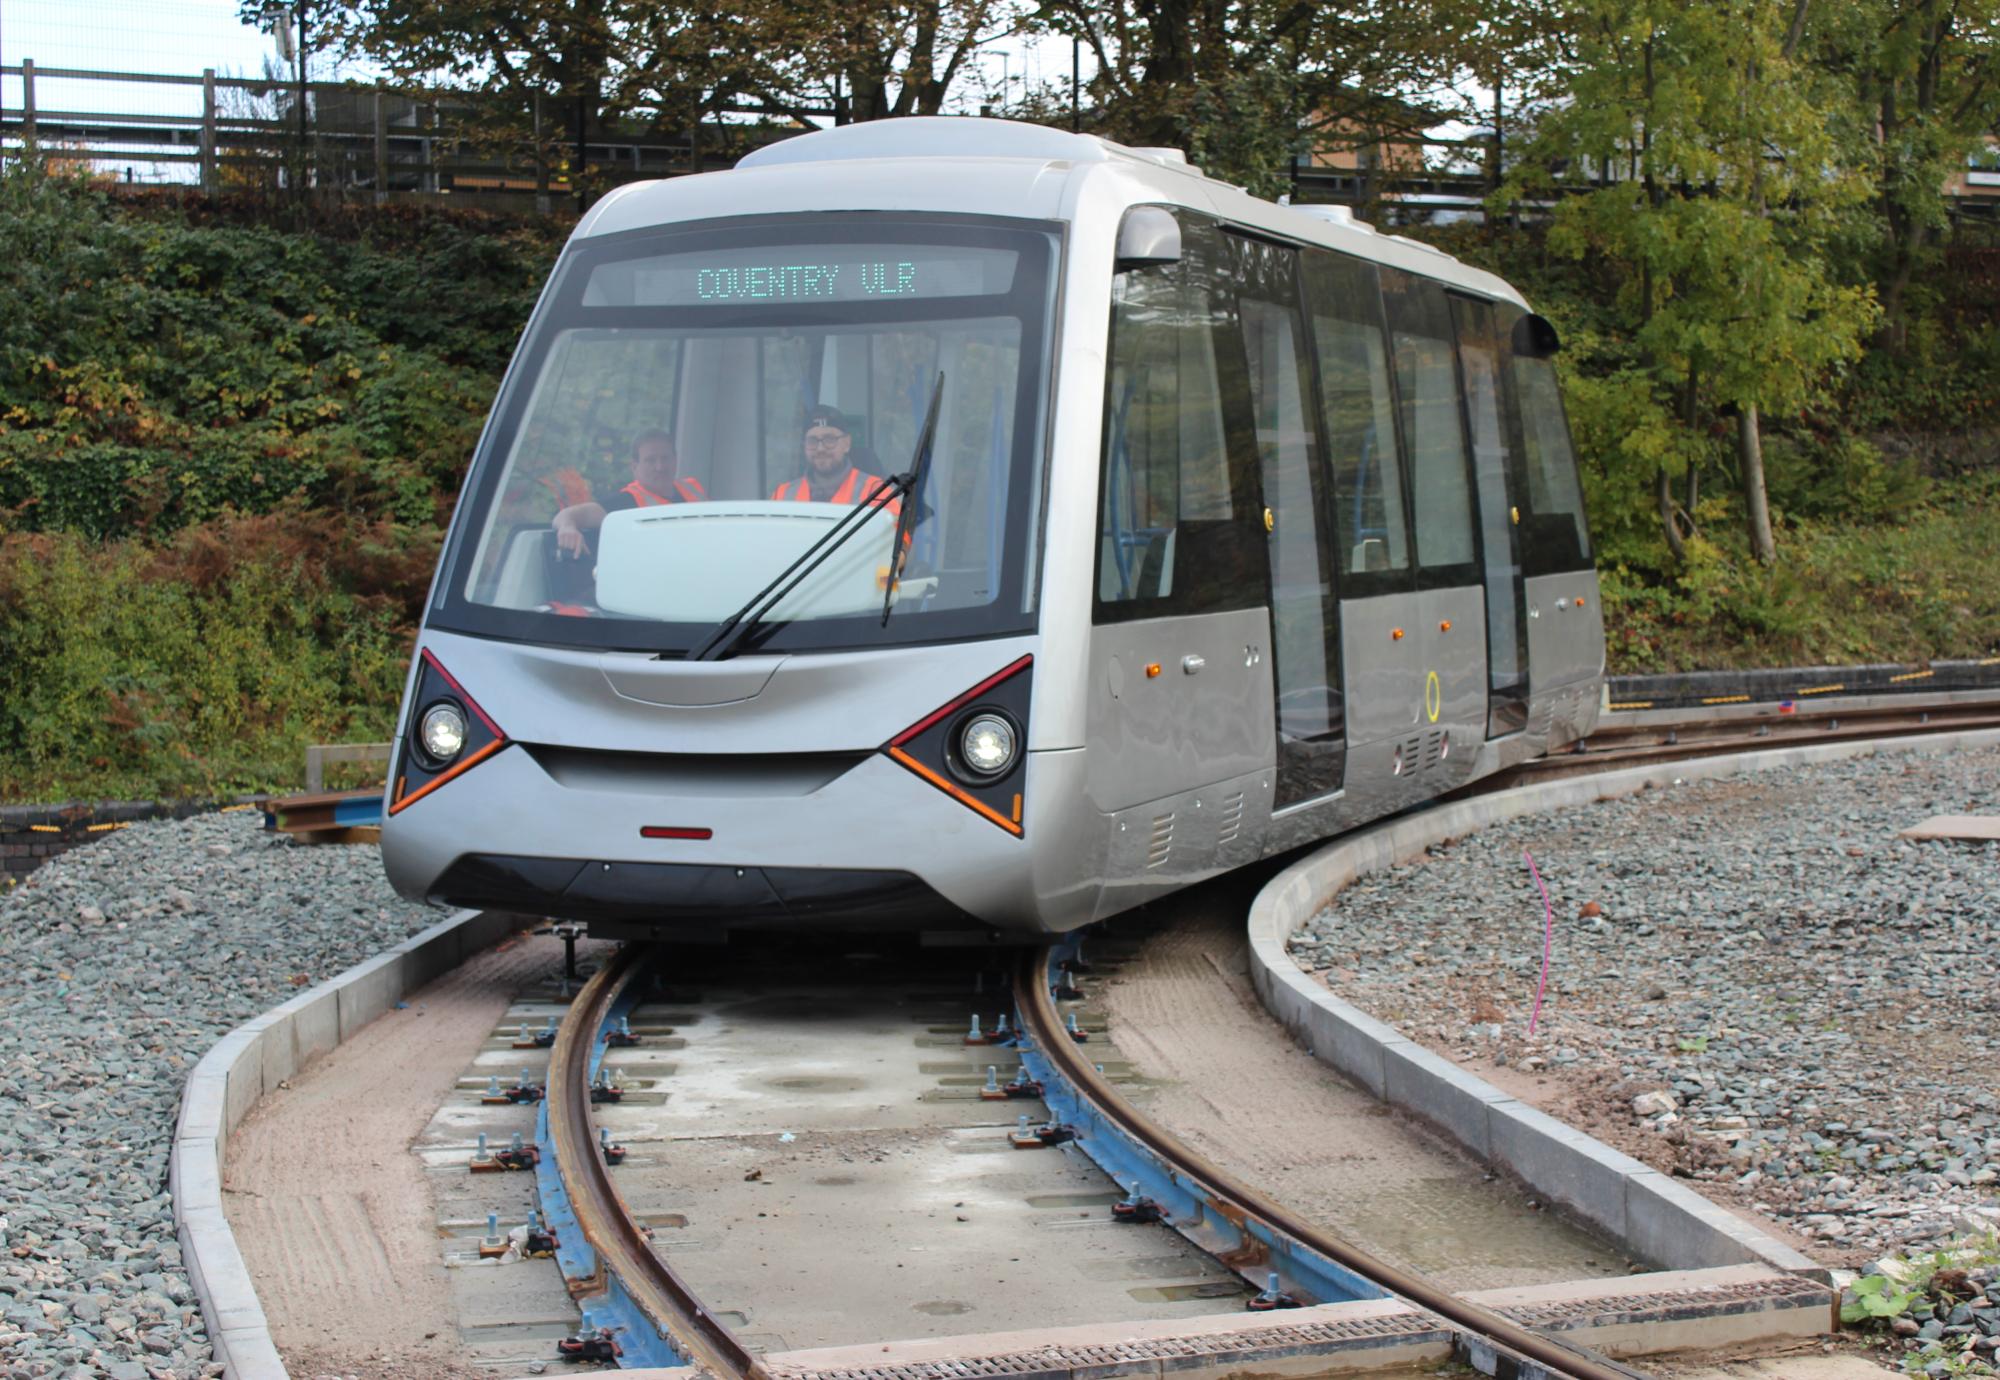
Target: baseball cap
{"x":828,"y":416}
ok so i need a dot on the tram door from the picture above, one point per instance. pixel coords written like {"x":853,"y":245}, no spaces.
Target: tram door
{"x":1495,"y":466}
{"x":1312,"y":738}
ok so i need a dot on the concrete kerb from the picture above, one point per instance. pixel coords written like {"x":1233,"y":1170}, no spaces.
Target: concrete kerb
{"x":237,"y":1070}
{"x":1658,"y":1218}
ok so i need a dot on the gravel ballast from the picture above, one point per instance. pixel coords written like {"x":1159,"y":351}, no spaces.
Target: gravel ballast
{"x":1754,"y":984}
{"x":120,"y":964}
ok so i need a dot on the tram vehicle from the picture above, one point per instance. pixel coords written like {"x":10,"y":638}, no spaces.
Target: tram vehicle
{"x":1034,"y":526}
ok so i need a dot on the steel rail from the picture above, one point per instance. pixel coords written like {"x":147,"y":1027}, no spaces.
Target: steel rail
{"x":1613,"y":746}
{"x":1037,"y":1010}
{"x":607,"y":1224}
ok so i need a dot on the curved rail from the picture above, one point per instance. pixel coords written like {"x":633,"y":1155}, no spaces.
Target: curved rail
{"x":1669,"y":736}
{"x":607,"y":1224}
{"x":1045,"y":1026}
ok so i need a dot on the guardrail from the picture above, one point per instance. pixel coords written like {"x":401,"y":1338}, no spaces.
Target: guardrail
{"x":380,"y":140}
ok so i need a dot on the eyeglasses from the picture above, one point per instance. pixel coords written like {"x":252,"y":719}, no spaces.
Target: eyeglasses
{"x":825,"y":442}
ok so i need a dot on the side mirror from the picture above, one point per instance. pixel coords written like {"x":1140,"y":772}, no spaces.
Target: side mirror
{"x":1535,"y":338}
{"x":1148,"y":236}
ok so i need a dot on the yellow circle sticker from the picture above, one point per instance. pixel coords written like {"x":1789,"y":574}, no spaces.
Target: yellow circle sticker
{"x":1433,"y":696}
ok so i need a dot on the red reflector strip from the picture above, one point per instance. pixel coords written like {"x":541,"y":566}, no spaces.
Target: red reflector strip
{"x":470,"y":703}
{"x":967,"y":698}
{"x":662,"y":831}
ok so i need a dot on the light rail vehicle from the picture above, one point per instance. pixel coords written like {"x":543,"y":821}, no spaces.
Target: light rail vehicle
{"x":954,"y":525}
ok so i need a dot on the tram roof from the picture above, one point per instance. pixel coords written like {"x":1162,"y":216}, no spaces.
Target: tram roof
{"x":983,"y":166}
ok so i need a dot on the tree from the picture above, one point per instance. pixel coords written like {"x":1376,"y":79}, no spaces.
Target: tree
{"x":1245,"y":85}
{"x":522,"y":51}
{"x":304,"y":28}
{"x":1923,"y":81}
{"x":1699,"y":161}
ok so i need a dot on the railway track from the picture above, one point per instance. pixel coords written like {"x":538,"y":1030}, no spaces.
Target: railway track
{"x":625,"y":1261}
{"x":661,"y":1320}
{"x":1268,"y":1229}
{"x":1637,"y":739}
{"x":639,"y":1307}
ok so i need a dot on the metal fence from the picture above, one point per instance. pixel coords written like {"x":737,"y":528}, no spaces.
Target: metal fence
{"x":341,"y":138}
{"x":361,"y":141}
{"x":349,"y":139}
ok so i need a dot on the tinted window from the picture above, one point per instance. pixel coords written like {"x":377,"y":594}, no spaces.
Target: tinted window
{"x":654,"y":461}
{"x":1433,"y":436}
{"x":1491,"y":422}
{"x":1371,"y":535}
{"x":1554,"y":537}
{"x":1179,"y":524}
{"x":1304,"y":617}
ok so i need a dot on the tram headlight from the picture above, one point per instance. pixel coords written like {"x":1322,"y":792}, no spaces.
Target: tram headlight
{"x":441,"y":732}
{"x":987,"y":745}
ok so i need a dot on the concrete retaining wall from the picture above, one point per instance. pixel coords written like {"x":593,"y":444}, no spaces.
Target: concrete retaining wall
{"x":1658,"y":1218}
{"x":256,"y":1057}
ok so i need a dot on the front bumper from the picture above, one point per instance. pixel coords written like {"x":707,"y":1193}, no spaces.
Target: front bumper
{"x":653,"y":900}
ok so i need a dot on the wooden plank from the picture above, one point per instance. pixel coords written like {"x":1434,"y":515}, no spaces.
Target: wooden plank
{"x":1963,"y":828}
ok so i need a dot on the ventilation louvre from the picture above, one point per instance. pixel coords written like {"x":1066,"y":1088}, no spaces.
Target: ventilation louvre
{"x":1231,"y":826}
{"x":1433,"y":748}
{"x":1160,"y":846}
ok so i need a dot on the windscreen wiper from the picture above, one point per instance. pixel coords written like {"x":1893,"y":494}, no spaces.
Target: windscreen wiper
{"x":899,"y":487}
{"x":737,"y":625}
{"x":913,"y":488}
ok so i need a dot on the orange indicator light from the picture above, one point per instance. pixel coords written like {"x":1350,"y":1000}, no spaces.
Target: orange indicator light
{"x":1395,"y":634}
{"x":1152,"y":669}
{"x":1445,"y":626}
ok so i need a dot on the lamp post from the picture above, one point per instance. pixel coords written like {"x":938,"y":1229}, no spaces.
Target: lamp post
{"x":1075,"y":85}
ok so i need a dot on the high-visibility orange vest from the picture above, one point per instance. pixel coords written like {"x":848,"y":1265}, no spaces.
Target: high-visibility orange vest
{"x":690,"y":492}
{"x":855,"y":488}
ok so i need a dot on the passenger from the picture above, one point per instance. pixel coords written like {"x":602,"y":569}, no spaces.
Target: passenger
{"x":831,"y":476}
{"x":656,"y":479}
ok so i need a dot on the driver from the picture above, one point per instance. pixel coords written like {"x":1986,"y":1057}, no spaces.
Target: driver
{"x":656,"y":479}
{"x":830,"y":476}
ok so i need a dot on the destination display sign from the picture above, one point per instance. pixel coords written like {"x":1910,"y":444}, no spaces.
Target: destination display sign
{"x":772,"y":276}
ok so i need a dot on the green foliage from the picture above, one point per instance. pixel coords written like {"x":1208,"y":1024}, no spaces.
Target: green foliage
{"x":1840,"y":476}
{"x":1847,"y":591}
{"x":225,"y":455}
{"x":154,"y":372}
{"x":1872,"y":1298}
{"x":1923,"y":1286}
{"x":204,"y":664}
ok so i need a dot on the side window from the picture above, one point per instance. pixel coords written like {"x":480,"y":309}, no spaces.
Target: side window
{"x":1433,"y":435}
{"x":1178,"y":520}
{"x":1555,"y":536}
{"x":1371,"y":533}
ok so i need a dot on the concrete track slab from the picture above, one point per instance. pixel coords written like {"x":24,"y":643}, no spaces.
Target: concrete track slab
{"x":819,"y":1165}
{"x":1958,"y":828}
{"x":337,"y":1219}
{"x":1231,"y":1082}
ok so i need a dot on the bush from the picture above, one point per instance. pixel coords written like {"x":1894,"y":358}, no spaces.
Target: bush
{"x":1921,"y":589}
{"x":204,"y":664}
{"x":154,"y":372}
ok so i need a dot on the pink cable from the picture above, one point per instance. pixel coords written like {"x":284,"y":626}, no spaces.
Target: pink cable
{"x":1548,"y":940}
